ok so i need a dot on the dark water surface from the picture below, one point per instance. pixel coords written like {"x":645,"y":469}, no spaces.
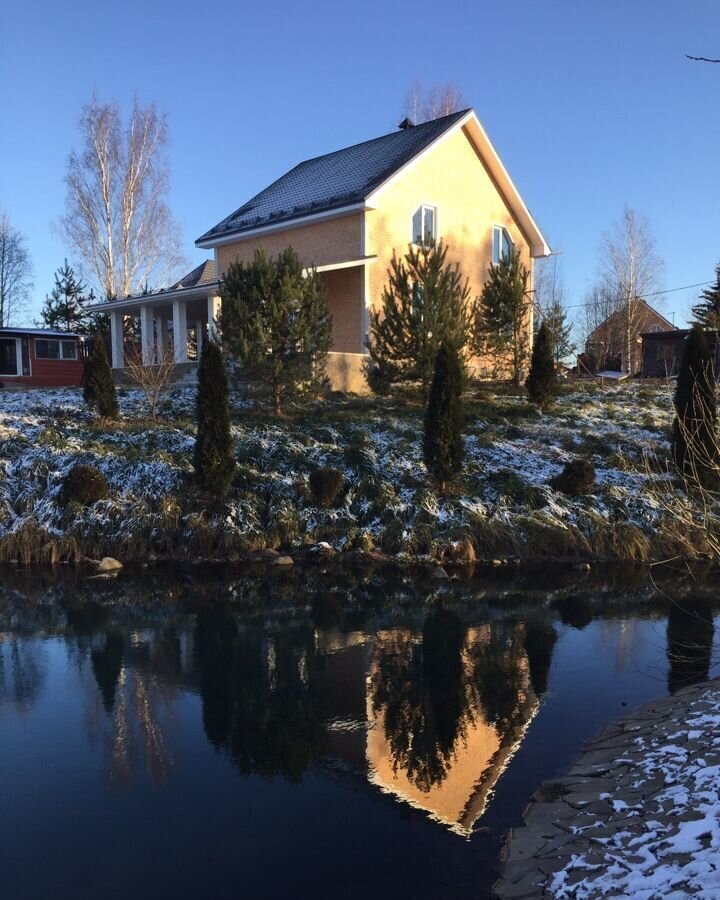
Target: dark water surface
{"x":306,"y":734}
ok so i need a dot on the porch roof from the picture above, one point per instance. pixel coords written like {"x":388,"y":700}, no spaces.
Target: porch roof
{"x":157,"y":298}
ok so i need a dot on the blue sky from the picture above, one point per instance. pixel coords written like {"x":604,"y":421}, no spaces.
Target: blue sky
{"x":590,"y":105}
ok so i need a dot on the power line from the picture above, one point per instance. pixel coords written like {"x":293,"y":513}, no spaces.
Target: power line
{"x":685,"y":287}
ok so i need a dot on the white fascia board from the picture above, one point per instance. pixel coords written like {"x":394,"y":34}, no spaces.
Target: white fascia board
{"x":538,"y":245}
{"x":398,"y":173}
{"x":156,"y":299}
{"x":238,"y":236}
{"x":347,"y":264}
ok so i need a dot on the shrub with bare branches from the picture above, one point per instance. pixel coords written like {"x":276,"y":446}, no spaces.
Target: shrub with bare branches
{"x":152,"y":378}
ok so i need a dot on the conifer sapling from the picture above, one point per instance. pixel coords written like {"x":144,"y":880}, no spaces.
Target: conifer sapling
{"x":694,"y":440}
{"x":214,"y":457}
{"x":443,"y":445}
{"x":542,"y":384}
{"x":98,"y":386}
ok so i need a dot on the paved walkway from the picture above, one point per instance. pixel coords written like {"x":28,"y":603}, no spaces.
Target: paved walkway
{"x":637,"y":816}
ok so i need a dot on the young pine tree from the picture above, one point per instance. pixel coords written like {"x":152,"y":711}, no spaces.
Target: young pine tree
{"x":502,"y":324}
{"x":63,"y":309}
{"x":443,"y":445}
{"x":707,"y":312}
{"x":424,"y":306}
{"x":214,"y":458}
{"x":276,"y":321}
{"x":694,"y":441}
{"x":542,"y":384}
{"x":99,"y":387}
{"x":560,"y":330}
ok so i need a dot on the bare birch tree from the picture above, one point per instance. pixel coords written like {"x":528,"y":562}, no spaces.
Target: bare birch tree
{"x":15,"y":272}
{"x":423,"y":105}
{"x":116,"y":214}
{"x":631,"y":268}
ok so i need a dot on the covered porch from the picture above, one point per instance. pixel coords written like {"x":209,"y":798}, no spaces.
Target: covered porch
{"x":176,"y":321}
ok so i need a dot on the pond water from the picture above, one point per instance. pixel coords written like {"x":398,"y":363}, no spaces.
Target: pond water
{"x":309,"y":734}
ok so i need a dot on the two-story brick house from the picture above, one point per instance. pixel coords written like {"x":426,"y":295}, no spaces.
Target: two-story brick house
{"x":347,"y":212}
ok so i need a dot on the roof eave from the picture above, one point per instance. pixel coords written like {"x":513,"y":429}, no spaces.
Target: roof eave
{"x":539,"y":247}
{"x":197,"y":292}
{"x":208,"y":242}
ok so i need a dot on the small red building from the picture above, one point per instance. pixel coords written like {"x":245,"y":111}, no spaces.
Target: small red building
{"x":39,"y":357}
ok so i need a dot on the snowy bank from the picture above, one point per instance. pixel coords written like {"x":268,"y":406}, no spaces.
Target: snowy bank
{"x":501,"y":506}
{"x":638,"y":815}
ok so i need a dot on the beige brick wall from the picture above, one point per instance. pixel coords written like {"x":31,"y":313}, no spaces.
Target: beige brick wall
{"x":452,"y":178}
{"x":346,"y":301}
{"x":330,"y":241}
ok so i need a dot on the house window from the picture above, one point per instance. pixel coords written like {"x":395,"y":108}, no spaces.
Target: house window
{"x":55,"y":349}
{"x":503,"y":245}
{"x":8,"y":356}
{"x":424,"y":226}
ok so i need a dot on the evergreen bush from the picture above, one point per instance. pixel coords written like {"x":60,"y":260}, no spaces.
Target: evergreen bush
{"x":214,"y":457}
{"x":694,"y":440}
{"x":276,"y":322}
{"x":425,"y":304}
{"x":502,"y":322}
{"x":84,"y":485}
{"x":98,"y":386}
{"x":542,"y":383}
{"x":578,"y":477}
{"x":443,"y":445}
{"x":326,"y":484}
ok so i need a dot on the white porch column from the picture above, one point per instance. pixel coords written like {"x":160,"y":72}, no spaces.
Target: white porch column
{"x":117,"y":340}
{"x":147,"y":335}
{"x":214,"y":306}
{"x":199,"y":336}
{"x":180,"y":330}
{"x":163,"y":333}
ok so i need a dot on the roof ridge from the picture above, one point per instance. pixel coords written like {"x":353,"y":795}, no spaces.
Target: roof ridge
{"x":359,"y":170}
{"x":381,"y":137}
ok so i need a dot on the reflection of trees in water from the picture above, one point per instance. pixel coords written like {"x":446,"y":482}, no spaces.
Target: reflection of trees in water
{"x":689,"y":642}
{"x":23,"y":671}
{"x":136,"y":675}
{"x":422,"y":692}
{"x":430,"y":693}
{"x":540,"y":638}
{"x":574,"y":611}
{"x":499,"y":675}
{"x":264,"y":695}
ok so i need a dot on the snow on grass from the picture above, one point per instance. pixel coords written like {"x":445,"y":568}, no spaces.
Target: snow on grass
{"x":512,"y":452}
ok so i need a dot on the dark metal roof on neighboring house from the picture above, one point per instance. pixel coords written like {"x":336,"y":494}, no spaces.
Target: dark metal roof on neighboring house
{"x":205,"y":273}
{"x":333,"y":181}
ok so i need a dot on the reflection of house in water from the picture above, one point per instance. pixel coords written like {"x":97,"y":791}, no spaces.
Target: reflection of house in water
{"x":435,"y":728}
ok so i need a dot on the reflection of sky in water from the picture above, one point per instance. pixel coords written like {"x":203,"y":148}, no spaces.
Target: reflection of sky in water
{"x":233,"y":757}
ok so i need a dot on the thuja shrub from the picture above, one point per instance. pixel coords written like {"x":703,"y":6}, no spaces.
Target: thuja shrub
{"x":84,"y":485}
{"x":578,"y":477}
{"x":326,"y":485}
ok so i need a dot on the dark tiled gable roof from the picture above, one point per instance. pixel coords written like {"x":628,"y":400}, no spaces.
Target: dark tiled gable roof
{"x":334,"y":180}
{"x":205,"y":273}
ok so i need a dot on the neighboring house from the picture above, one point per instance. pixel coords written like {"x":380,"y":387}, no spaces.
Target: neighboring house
{"x":345,"y":213}
{"x":606,"y":346}
{"x":39,"y":357}
{"x":662,"y":351}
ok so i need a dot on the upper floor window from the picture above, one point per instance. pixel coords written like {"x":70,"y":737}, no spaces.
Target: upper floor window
{"x":55,"y":349}
{"x":503,"y":245}
{"x":424,"y":226}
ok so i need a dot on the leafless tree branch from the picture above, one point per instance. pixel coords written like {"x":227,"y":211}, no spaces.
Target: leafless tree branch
{"x":116,"y":216}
